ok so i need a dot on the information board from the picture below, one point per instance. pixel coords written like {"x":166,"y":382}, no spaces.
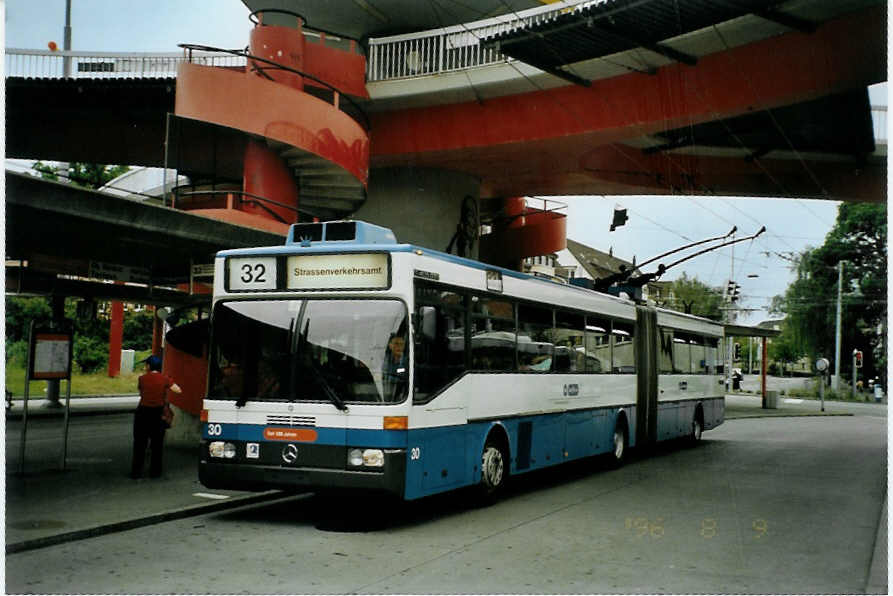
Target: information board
{"x":50,"y":355}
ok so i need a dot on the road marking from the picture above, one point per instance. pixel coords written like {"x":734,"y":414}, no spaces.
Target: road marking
{"x":793,"y":401}
{"x":210,"y":496}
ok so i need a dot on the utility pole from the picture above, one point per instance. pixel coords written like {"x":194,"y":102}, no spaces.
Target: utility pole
{"x":66,"y":42}
{"x":836,"y":379}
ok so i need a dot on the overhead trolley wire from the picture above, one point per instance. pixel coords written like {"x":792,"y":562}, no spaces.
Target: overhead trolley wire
{"x":671,"y":162}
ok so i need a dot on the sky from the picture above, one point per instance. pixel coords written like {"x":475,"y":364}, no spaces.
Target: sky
{"x":655,"y":225}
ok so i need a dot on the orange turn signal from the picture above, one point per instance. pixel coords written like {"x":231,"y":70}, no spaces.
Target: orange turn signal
{"x":204,"y":416}
{"x":396,"y":422}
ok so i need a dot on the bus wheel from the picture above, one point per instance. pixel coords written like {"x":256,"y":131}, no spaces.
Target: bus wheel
{"x":621,"y":443}
{"x":494,"y":469}
{"x":697,"y":429}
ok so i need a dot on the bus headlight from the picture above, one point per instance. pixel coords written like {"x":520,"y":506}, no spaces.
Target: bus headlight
{"x":368,"y":458}
{"x":221,"y":449}
{"x":355,"y":458}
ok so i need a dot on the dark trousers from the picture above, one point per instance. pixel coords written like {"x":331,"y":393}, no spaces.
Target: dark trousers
{"x":148,"y":430}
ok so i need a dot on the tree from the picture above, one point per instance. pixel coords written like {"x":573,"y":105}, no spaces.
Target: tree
{"x":785,"y":349}
{"x":697,"y":298}
{"x":91,"y":334}
{"x":859,"y":239}
{"x":88,"y":175}
{"x":93,"y":175}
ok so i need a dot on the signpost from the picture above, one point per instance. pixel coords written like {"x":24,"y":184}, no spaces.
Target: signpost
{"x":49,"y":358}
{"x":822,"y":365}
{"x":857,"y":364}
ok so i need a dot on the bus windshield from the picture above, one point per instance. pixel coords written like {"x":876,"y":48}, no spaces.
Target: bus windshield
{"x":338,"y":351}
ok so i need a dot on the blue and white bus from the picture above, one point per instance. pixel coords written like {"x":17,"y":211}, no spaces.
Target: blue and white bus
{"x":344,"y":360}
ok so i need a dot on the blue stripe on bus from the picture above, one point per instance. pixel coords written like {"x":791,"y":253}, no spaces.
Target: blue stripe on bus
{"x":444,"y":458}
{"x":386,"y":439}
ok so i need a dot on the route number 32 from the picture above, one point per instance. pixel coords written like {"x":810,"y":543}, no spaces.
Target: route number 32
{"x":252,"y":273}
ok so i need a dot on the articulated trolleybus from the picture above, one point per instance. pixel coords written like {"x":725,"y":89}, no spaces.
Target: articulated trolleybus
{"x":344,"y":360}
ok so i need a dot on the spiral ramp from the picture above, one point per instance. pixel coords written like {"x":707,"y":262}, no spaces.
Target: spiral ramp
{"x":276,"y":142}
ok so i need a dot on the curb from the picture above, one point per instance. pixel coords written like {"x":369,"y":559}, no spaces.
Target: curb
{"x":148,"y":520}
{"x":877,"y":581}
{"x":72,"y":413}
{"x":790,"y":415}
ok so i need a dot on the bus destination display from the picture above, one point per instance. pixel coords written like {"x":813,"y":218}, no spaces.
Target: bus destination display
{"x":344,"y":272}
{"x":310,"y":272}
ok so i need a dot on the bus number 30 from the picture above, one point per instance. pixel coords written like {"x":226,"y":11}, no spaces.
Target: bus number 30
{"x":415,"y":453}
{"x":215,"y":430}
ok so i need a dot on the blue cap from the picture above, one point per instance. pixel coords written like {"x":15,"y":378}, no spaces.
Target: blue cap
{"x":154,"y":362}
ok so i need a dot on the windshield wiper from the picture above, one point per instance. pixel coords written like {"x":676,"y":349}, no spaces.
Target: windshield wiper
{"x":327,"y":389}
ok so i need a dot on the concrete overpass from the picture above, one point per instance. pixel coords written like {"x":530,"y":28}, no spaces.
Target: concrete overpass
{"x":492,"y":101}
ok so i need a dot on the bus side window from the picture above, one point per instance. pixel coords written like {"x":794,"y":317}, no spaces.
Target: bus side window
{"x":698,"y":355}
{"x":536,"y":349}
{"x":492,"y":334}
{"x":681,"y":353}
{"x":597,"y":342}
{"x":624,"y":358}
{"x":439,"y":359}
{"x":570,"y":352}
{"x":666,"y":351}
{"x":714,"y":367}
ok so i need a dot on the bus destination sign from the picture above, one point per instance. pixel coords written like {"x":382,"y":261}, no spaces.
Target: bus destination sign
{"x":341,"y":271}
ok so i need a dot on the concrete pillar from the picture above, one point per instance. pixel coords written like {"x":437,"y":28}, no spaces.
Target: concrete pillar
{"x":116,"y":338}
{"x":424,"y":206}
{"x":157,"y":333}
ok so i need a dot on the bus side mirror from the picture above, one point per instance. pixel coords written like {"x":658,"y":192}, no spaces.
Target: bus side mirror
{"x":428,"y":326}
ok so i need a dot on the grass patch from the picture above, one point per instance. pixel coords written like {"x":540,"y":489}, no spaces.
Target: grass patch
{"x":81,"y":383}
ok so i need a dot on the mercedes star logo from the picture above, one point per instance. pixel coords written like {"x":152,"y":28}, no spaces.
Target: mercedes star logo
{"x":290,"y":453}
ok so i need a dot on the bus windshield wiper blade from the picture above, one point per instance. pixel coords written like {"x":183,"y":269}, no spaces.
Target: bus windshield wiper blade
{"x":327,"y":389}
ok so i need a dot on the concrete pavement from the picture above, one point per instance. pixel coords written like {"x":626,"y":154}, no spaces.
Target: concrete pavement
{"x":94,"y":496}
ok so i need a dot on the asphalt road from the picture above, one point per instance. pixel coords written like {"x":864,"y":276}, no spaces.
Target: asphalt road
{"x":787,"y":505}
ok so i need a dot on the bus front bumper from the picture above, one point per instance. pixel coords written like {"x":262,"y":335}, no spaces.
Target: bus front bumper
{"x":242,"y":476}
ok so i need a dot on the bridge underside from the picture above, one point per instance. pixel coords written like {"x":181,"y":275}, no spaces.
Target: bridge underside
{"x":54,"y":229}
{"x":784,"y":116}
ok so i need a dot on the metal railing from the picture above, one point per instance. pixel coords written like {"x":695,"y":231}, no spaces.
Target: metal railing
{"x":228,"y":198}
{"x":457,"y":47}
{"x":107,"y":65}
{"x":355,"y":111}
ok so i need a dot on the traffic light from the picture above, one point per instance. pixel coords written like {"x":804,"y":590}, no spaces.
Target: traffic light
{"x":737,"y":351}
{"x":857,"y":358}
{"x":733,"y":291}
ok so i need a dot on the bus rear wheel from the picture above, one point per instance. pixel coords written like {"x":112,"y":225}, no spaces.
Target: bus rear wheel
{"x":620,"y":444}
{"x":494,"y":469}
{"x":697,"y":429}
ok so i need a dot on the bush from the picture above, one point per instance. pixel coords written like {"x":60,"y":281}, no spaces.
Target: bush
{"x":16,"y":353}
{"x":138,"y":330}
{"x":91,"y":354}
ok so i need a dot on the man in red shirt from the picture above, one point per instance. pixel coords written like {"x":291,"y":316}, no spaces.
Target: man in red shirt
{"x":148,"y":427}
